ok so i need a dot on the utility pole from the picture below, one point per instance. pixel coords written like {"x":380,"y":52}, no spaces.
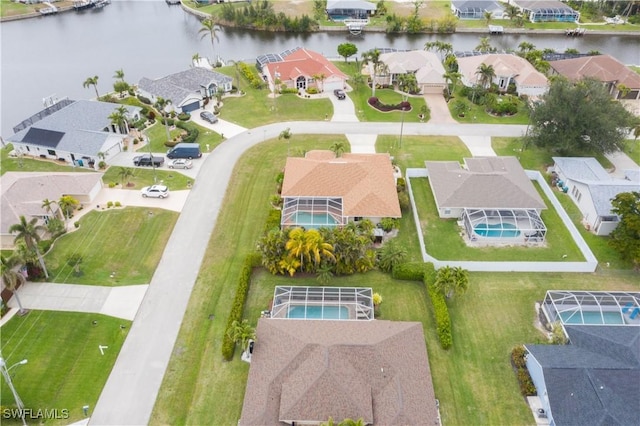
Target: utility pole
{"x":7,"y":377}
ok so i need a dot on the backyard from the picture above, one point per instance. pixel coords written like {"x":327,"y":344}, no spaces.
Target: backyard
{"x":66,"y":369}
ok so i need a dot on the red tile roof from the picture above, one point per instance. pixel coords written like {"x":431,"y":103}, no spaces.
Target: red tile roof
{"x":601,"y":67}
{"x":304,"y":62}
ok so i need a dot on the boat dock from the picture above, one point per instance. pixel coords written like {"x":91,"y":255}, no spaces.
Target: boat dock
{"x":496,"y":29}
{"x":576,"y":32}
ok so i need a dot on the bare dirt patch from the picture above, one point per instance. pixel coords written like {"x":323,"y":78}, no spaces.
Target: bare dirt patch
{"x":294,"y":7}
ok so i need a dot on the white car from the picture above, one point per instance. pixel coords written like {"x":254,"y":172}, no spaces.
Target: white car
{"x":180,"y":163}
{"x":155,"y":191}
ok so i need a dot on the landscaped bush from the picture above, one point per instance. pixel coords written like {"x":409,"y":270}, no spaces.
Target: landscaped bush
{"x":184,"y":116}
{"x":170,"y":144}
{"x":273,"y":220}
{"x":404,"y":201}
{"x":312,"y":90}
{"x":401,"y":184}
{"x":109,"y":204}
{"x":118,"y":204}
{"x":289,"y":90}
{"x":255,"y":81}
{"x":112,"y":184}
{"x":388,"y":223}
{"x":518,"y":357}
{"x":170,"y":121}
{"x":192,"y":132}
{"x":402,"y":106}
{"x":504,"y":105}
{"x":144,"y":100}
{"x":412,"y":271}
{"x":440,"y":309}
{"x":251,"y":261}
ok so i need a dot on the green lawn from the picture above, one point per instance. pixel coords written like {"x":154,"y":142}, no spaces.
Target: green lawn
{"x":477,"y":113}
{"x":416,"y":150}
{"x":127,"y":241}
{"x":65,"y":369}
{"x":157,"y":134}
{"x":443,"y":241}
{"x":27,"y":164}
{"x":145,"y":176}
{"x":632,"y":149}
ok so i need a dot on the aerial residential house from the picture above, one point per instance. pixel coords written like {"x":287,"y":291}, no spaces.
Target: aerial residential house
{"x":607,"y":69}
{"x":304,"y":372}
{"x":186,"y":90}
{"x":426,"y":66}
{"x":475,"y":9}
{"x":547,"y":11}
{"x":321,"y":190}
{"x":22,"y":194}
{"x":591,"y":188}
{"x":593,"y":379}
{"x":339,"y":10}
{"x":508,"y":69}
{"x":301,"y":69}
{"x":79,"y":133}
{"x":492,"y":197}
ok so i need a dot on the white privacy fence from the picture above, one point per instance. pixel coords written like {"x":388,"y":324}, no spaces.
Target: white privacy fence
{"x":589,"y":265}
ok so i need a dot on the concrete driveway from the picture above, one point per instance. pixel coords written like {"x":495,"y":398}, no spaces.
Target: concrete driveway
{"x":439,"y":109}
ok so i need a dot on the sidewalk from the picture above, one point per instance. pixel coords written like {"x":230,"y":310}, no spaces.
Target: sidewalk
{"x":622,"y":162}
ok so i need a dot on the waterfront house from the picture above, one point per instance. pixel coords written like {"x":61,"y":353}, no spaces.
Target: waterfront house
{"x":547,"y":11}
{"x":508,"y":69}
{"x":321,"y":190}
{"x":186,"y":90}
{"x":475,"y":9}
{"x":78,"y":133}
{"x":426,"y":67}
{"x":591,"y":188}
{"x":340,"y":10}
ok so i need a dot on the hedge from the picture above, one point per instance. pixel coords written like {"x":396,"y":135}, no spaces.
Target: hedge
{"x":440,"y":309}
{"x":273,"y":220}
{"x":411,"y":271}
{"x":402,"y":106}
{"x":192,"y":132}
{"x":251,"y":261}
{"x":255,"y":81}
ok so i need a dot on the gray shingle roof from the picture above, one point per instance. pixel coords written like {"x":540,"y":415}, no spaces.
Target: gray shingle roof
{"x":490,"y":182}
{"x":581,"y":168}
{"x":82,"y":124}
{"x":488,"y":5}
{"x":180,"y":86}
{"x":595,"y":380}
{"x":603,"y":192}
{"x":350,"y":4}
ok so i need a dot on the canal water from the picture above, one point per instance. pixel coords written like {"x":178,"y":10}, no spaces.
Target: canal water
{"x":51,"y":56}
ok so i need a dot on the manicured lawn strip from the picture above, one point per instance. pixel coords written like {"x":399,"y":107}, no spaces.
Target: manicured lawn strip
{"x":127,"y":241}
{"x":158,"y":136}
{"x":599,"y":244}
{"x":632,"y":149}
{"x":199,"y":388}
{"x":534,"y":158}
{"x":142,"y":177}
{"x":416,"y":150}
{"x":29,"y":164}
{"x":65,"y":368}
{"x":444,"y":242}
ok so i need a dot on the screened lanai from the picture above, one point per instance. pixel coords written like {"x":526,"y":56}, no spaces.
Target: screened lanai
{"x":323,"y":303}
{"x":312,"y":212}
{"x":592,"y":307}
{"x":512,"y":225}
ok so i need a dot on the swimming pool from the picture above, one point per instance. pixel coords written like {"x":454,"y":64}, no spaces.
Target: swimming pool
{"x":497,"y":230}
{"x":318,"y":312}
{"x":313,"y":220}
{"x":592,"y":317}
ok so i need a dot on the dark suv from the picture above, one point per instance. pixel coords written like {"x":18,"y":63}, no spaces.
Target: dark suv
{"x":339,"y":94}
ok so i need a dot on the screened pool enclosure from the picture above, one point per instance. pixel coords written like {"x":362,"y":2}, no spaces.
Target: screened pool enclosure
{"x":323,"y":303}
{"x":312,"y":213}
{"x":516,"y":226}
{"x":592,"y":307}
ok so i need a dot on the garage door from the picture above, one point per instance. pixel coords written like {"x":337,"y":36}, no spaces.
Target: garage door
{"x":191,"y":107}
{"x":432,"y":89}
{"x":330,"y":86}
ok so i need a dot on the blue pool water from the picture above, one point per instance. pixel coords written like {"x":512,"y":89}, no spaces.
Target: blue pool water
{"x":318,"y":312}
{"x":591,"y":318}
{"x":314,"y":220}
{"x":497,"y":230}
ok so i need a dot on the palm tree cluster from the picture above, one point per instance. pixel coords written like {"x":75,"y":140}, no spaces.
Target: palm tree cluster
{"x":339,"y":251}
{"x":452,"y":280}
{"x":29,"y":234}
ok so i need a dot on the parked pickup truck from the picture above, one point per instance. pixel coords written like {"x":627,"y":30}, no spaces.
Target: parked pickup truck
{"x":148,"y":160}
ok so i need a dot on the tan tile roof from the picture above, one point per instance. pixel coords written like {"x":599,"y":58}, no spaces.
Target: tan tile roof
{"x":313,"y":370}
{"x":304,"y":62}
{"x":489,"y":182}
{"x":426,"y":65}
{"x":504,"y":65}
{"x":364,"y":181}
{"x":601,"y":67}
{"x":22,"y":192}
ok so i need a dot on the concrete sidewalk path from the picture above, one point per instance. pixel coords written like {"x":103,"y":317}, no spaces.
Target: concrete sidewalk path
{"x":480,"y":146}
{"x":362,"y":144}
{"x":120,"y":302}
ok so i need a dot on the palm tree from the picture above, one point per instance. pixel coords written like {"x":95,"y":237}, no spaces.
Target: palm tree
{"x":317,"y":247}
{"x":512,"y":12}
{"x":161,"y":104}
{"x":92,"y":81}
{"x":441,"y":47}
{"x":125,"y":173}
{"x":12,"y":278}
{"x":286,"y":135}
{"x":321,"y":78}
{"x":526,"y":47}
{"x":452,"y":77}
{"x":236,"y":65}
{"x":373,"y":57}
{"x":47,"y":206}
{"x":29,"y":232}
{"x":297,"y":245}
{"x":392,"y":254}
{"x":210,"y":29}
{"x":485,"y":46}
{"x":242,"y":332}
{"x":338,"y":148}
{"x":195,"y":59}
{"x":67,"y":204}
{"x":450,"y":281}
{"x":485,"y":75}
{"x":119,"y":74}
{"x":119,"y":119}
{"x":487,"y":16}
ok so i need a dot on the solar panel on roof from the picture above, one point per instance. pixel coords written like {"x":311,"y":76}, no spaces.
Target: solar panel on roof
{"x":48,"y":138}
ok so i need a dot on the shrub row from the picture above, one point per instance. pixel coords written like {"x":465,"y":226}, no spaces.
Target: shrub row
{"x":411,"y":271}
{"x":144,"y":100}
{"x":519,"y":363}
{"x":273,"y":220}
{"x":192,"y":132}
{"x":440,"y":309}
{"x":255,"y":81}
{"x":251,"y":261}
{"x":402,"y":106}
{"x":291,"y":90}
